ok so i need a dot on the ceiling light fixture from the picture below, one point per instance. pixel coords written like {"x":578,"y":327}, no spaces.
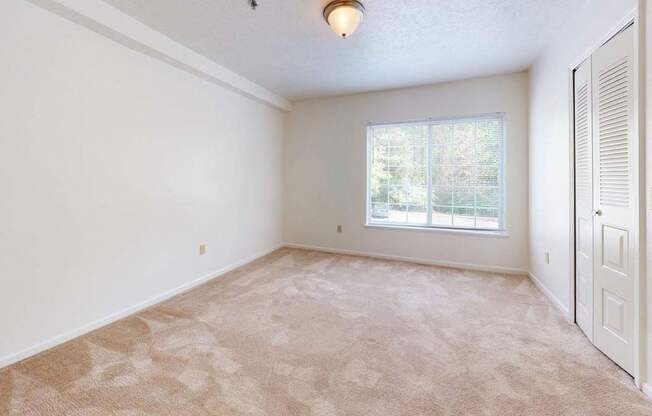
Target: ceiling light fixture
{"x":344,"y":16}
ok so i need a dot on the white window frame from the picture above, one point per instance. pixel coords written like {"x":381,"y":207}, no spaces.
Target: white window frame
{"x":502,"y":209}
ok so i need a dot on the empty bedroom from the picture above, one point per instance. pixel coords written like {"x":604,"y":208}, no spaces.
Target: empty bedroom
{"x":325,"y":207}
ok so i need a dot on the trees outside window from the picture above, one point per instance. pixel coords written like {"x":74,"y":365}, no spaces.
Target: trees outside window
{"x":438,"y":173}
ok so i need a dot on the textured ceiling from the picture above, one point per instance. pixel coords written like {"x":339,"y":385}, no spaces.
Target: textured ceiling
{"x":286,"y":46}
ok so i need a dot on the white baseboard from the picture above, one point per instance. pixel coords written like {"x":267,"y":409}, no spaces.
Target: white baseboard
{"x":91,"y":326}
{"x":429,"y":262}
{"x":647,"y":390}
{"x":551,"y":296}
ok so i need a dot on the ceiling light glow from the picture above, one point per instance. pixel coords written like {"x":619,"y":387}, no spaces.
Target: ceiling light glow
{"x":344,"y":16}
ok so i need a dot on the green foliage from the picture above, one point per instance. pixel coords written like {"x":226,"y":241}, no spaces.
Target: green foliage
{"x":399,"y":172}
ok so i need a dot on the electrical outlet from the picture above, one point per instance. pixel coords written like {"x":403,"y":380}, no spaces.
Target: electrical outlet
{"x":339,"y":228}
{"x":547,"y":257}
{"x":202,"y":249}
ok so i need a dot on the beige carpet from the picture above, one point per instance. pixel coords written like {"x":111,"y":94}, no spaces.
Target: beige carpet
{"x":305,"y":333}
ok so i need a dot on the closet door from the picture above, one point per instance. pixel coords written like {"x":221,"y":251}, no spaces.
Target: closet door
{"x":615,"y":173}
{"x":583,"y":199}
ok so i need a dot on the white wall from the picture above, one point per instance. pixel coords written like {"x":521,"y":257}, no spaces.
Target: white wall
{"x":325,"y":170}
{"x":550,"y":141}
{"x":114,"y":167}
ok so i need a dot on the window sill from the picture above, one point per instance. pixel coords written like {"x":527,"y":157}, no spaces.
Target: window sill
{"x":478,"y":233}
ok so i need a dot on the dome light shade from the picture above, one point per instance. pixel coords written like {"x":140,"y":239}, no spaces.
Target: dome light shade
{"x":344,"y":16}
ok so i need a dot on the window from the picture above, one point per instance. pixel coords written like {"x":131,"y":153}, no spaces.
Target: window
{"x":437,"y":173}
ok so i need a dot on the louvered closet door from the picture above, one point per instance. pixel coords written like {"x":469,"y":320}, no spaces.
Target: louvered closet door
{"x":583,"y":199}
{"x":615,"y":151}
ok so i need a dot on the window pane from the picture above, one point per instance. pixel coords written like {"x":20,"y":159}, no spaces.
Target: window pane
{"x":488,"y":175}
{"x":418,"y":196}
{"x":395,"y":175}
{"x":465,"y":173}
{"x":464,"y":143}
{"x":487,"y":218}
{"x":419,"y":156}
{"x":442,"y":150}
{"x":487,"y":197}
{"x":489,"y":138}
{"x":464,"y":197}
{"x":403,"y":194}
{"x":399,"y":174}
{"x":379,"y":191}
{"x":442,"y":216}
{"x":418,"y":176}
{"x":417,"y":214}
{"x":465,"y":169}
{"x":397,"y":214}
{"x":442,"y":175}
{"x":396,"y":194}
{"x":379,"y":211}
{"x":464,"y":217}
{"x":442,"y":195}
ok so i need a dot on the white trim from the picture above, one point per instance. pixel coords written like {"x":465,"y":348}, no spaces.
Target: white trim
{"x":559,"y":305}
{"x":571,"y":195}
{"x":641,"y":300}
{"x":367,"y":195}
{"x":503,"y":177}
{"x":91,"y":326}
{"x":640,"y":317}
{"x":463,"y":231}
{"x":429,"y":179}
{"x":417,"y":260}
{"x":647,"y":390}
{"x":436,"y":120}
{"x":108,"y":21}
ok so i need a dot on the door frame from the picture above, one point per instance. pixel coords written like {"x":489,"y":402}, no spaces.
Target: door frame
{"x":635,"y":18}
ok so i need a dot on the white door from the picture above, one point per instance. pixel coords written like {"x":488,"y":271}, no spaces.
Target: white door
{"x":583,"y":199}
{"x":615,"y":183}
